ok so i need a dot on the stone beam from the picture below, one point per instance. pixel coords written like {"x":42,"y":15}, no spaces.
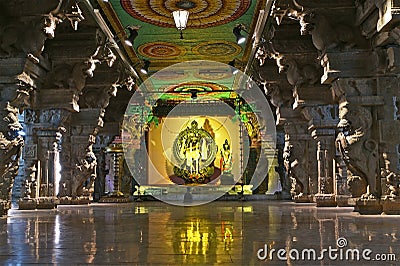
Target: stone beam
{"x":351,"y":64}
{"x":312,"y":95}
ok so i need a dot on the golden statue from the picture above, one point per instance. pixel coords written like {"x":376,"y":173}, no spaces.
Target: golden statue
{"x":195,"y":150}
{"x":226,"y":157}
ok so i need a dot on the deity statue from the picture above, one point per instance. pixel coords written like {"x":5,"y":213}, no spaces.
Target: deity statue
{"x":226,"y":157}
{"x":194,"y":150}
{"x":190,"y":148}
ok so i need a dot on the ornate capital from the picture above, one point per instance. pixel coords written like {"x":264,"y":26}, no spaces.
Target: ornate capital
{"x":298,"y":72}
{"x":327,"y":31}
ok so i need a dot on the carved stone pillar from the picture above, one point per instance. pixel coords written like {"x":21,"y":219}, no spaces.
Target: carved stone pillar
{"x":64,"y":85}
{"x":45,"y":130}
{"x":358,"y":138}
{"x":280,"y":168}
{"x":99,"y":147}
{"x":15,"y":96}
{"x":379,"y":23}
{"x":298,"y":158}
{"x":83,"y":168}
{"x":21,"y":45}
{"x":322,"y":125}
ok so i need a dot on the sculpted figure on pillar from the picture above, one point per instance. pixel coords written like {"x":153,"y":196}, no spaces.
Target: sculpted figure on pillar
{"x":272,"y":91}
{"x":73,"y":77}
{"x":96,"y":101}
{"x":326,"y":35}
{"x":296,"y":168}
{"x":10,"y":142}
{"x":359,"y":150}
{"x":31,"y":183}
{"x":10,"y":152}
{"x":29,"y":36}
{"x":298,"y":74}
{"x":392,"y":179}
{"x":97,"y":98}
{"x":85,"y":172}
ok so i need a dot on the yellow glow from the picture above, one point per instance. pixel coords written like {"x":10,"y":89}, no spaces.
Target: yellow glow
{"x":162,"y":139}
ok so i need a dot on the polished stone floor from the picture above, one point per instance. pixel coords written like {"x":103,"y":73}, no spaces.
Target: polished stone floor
{"x":227,"y":233}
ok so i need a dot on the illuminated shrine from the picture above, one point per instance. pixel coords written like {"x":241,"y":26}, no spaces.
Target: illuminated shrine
{"x":196,"y":131}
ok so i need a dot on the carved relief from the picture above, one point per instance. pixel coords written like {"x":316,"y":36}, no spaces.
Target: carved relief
{"x":30,"y":185}
{"x":295,"y":164}
{"x":30,"y":116}
{"x":396,"y":108}
{"x":326,"y":113}
{"x":392,"y":180}
{"x":26,"y":37}
{"x":71,"y":77}
{"x":104,"y":53}
{"x":272,"y":91}
{"x":29,"y":36}
{"x":325,"y":34}
{"x":12,"y":118}
{"x":358,"y":149}
{"x":97,"y":98}
{"x":24,"y":91}
{"x":85,"y":171}
{"x":102,"y":141}
{"x":10,"y":152}
{"x":298,"y":74}
{"x":30,"y":152}
{"x":51,"y":116}
{"x":75,"y":16}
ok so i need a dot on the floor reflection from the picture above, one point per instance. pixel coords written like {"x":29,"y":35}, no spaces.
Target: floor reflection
{"x":217,"y":233}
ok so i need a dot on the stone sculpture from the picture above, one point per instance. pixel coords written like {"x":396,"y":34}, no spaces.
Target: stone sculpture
{"x":295,"y":170}
{"x":29,"y":36}
{"x":392,"y":180}
{"x":85,"y":171}
{"x":298,"y":74}
{"x":358,"y":149}
{"x":325,"y":34}
{"x":10,"y":152}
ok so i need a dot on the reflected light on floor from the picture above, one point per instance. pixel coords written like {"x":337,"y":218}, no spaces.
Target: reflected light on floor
{"x":143,"y":233}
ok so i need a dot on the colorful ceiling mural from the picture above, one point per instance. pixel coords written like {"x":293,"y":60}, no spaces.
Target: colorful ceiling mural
{"x":208,"y":35}
{"x":161,"y":50}
{"x":203,"y":13}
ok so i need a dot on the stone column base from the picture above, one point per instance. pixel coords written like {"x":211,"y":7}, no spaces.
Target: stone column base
{"x":46,"y":203}
{"x":368,"y":206}
{"x":74,"y":201}
{"x":37,"y":203}
{"x":391,"y":206}
{"x":343,"y":201}
{"x":27,"y":204}
{"x":114,"y":199}
{"x":302,"y":199}
{"x":325,"y":200}
{"x":283,"y":195}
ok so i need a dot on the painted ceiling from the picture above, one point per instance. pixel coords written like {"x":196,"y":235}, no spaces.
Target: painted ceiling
{"x":208,"y":35}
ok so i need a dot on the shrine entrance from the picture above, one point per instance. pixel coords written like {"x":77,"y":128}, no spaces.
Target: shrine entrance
{"x":192,"y":128}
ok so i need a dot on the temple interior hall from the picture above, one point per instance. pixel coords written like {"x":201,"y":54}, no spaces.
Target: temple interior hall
{"x":199,"y":132}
